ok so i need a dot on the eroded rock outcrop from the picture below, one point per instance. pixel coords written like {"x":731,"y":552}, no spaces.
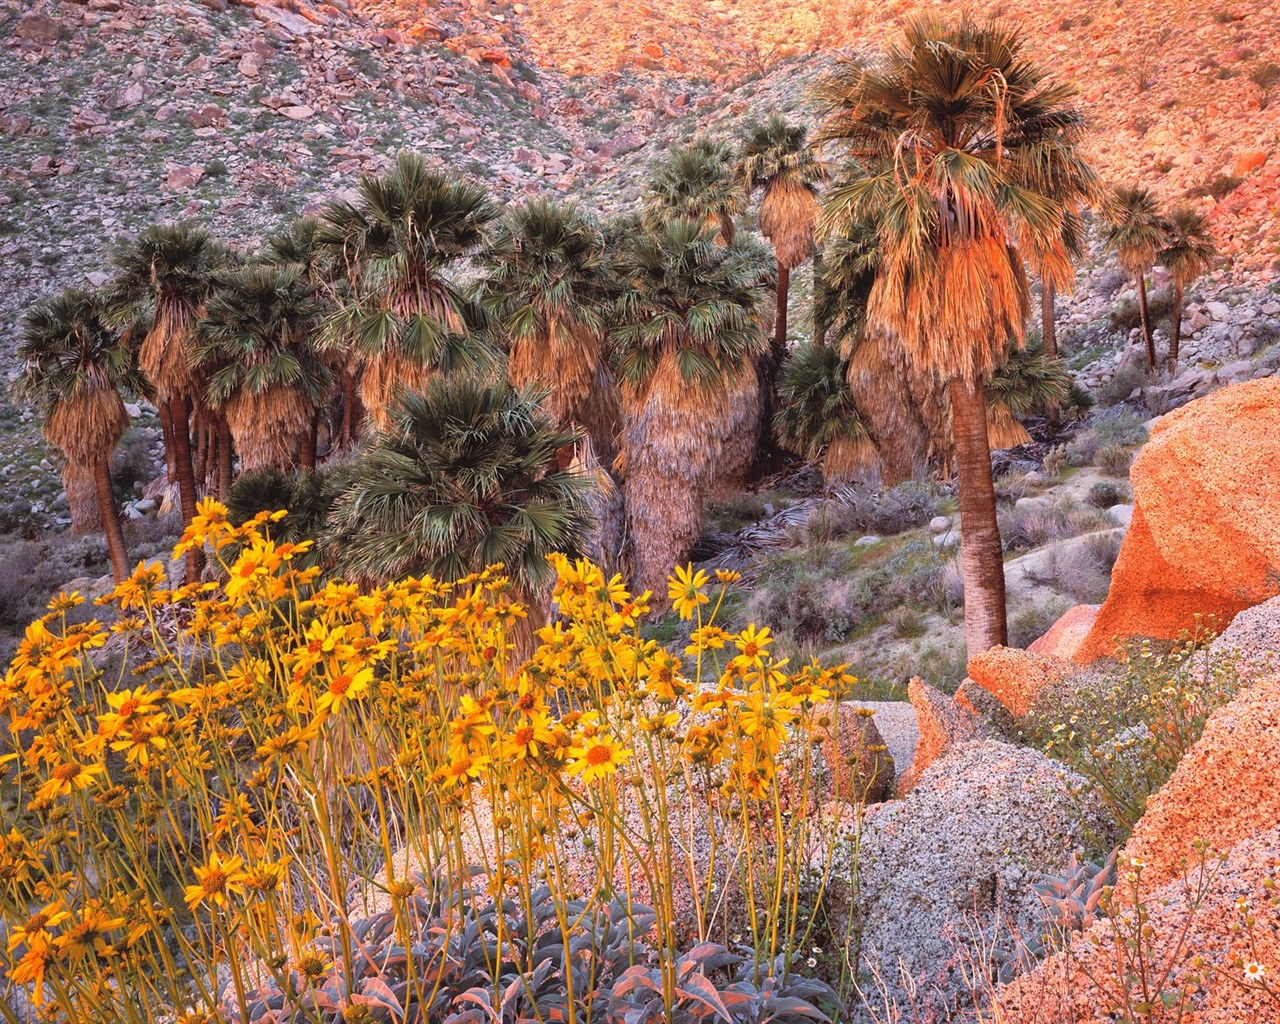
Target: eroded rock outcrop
{"x":1223,"y":791}
{"x":856,"y":755}
{"x":936,"y":868}
{"x":1067,"y":634}
{"x":1204,"y":542}
{"x":1082,"y":986}
{"x":1015,"y":677}
{"x":942,"y":723}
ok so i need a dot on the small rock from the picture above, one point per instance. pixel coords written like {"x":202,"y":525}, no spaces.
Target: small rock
{"x":867,"y":540}
{"x":950,"y":539}
{"x":184,"y":177}
{"x":299,"y":112}
{"x":939,"y":524}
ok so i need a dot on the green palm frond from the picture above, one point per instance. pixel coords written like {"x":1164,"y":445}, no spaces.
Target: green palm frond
{"x":466,"y":477}
{"x":684,"y":294}
{"x":1028,"y":381}
{"x":1189,"y":249}
{"x":696,"y":183}
{"x":817,"y":407}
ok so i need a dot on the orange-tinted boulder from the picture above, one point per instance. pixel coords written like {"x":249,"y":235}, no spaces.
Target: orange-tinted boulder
{"x":1015,"y":677}
{"x":1083,"y":986}
{"x":1224,"y":790}
{"x":1067,"y":634}
{"x":860,"y":764}
{"x":942,"y":722}
{"x":1205,"y":536}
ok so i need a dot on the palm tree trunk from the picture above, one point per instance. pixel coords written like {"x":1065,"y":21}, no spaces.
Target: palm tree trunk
{"x":308,"y":454}
{"x":981,"y":555}
{"x":201,"y":421}
{"x":111,"y":520}
{"x":1146,"y":325}
{"x":82,"y":499}
{"x":780,"y":323}
{"x":1049,"y":332}
{"x":166,"y":432}
{"x":225,"y":458}
{"x":1175,"y":329}
{"x":348,"y":413}
{"x":181,"y":413}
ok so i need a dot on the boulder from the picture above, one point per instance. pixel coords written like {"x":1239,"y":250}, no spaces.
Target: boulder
{"x":1016,"y":677}
{"x":937,"y":868}
{"x":941,"y":723}
{"x":856,"y":755}
{"x":1224,"y":789}
{"x":977,"y":701}
{"x":1252,"y":642}
{"x":1067,"y":634}
{"x":1248,"y":160}
{"x":1204,"y":539}
{"x":38,"y":29}
{"x":1080,"y":985}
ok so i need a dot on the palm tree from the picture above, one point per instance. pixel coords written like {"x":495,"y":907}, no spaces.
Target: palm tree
{"x":687,"y":334}
{"x":74,"y":366}
{"x":465,"y":478}
{"x":818,"y":417}
{"x":1030,"y":381}
{"x":308,"y":498}
{"x":164,"y":277}
{"x":547,"y":291}
{"x":1136,"y":232}
{"x":961,"y":138}
{"x":299,"y":244}
{"x":257,"y":343}
{"x":405,"y":316}
{"x":696,"y":183}
{"x":776,"y":158}
{"x":1188,"y":252}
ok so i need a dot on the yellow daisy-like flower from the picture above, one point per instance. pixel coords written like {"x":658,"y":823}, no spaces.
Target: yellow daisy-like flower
{"x":754,"y":645}
{"x":597,"y":758}
{"x":68,"y":776}
{"x":216,"y":881}
{"x":685,"y":590}
{"x":37,"y":925}
{"x":344,"y":687}
{"x":528,"y":739}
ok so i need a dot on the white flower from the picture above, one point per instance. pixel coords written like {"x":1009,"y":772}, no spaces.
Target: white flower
{"x":814,"y":963}
{"x":1254,"y":972}
{"x":1137,"y":862}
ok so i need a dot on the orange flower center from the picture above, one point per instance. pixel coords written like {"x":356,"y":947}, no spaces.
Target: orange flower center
{"x":599,"y":754}
{"x":129,"y":707}
{"x":340,"y":685}
{"x":66,"y":772}
{"x":750,"y":650}
{"x":524,"y":735}
{"x":214,"y":881}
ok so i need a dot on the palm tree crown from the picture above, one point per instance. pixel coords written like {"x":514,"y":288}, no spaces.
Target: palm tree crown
{"x":547,"y":290}
{"x":818,"y":417}
{"x":464,"y":479}
{"x":257,"y":341}
{"x":397,"y":245}
{"x":776,"y":157}
{"x":696,"y":183}
{"x":1188,"y":251}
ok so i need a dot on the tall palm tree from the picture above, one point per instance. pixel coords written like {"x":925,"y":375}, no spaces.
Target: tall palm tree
{"x":817,"y":416}
{"x":164,"y":276}
{"x":547,"y":291}
{"x":257,"y":342}
{"x":464,"y":478}
{"x":1188,"y":252}
{"x":776,"y":158}
{"x":696,"y":183}
{"x":397,"y":245}
{"x":300,"y":244}
{"x":687,"y":331}
{"x":961,"y":137}
{"x":1136,"y":232}
{"x":74,"y":366}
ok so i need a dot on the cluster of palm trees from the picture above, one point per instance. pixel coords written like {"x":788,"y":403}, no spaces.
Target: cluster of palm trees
{"x":1142,"y":235}
{"x":435,"y":382}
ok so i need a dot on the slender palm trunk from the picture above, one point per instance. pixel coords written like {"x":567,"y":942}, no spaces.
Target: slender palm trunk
{"x":1145,"y":318}
{"x":225,"y":458}
{"x":308,"y":454}
{"x":181,"y":413}
{"x":82,"y":499}
{"x":111,"y":520}
{"x":200,"y":419}
{"x":166,"y":432}
{"x":1175,"y":329}
{"x":981,"y":555}
{"x":780,"y":323}
{"x":1049,"y":332}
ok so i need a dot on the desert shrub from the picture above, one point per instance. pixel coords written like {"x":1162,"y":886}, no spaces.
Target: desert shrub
{"x":905,"y":621}
{"x":1011,"y":486}
{"x":1122,"y":384}
{"x":225,"y":832}
{"x":1054,"y":461}
{"x":1218,"y":186}
{"x":1034,"y":525}
{"x":916,"y":575}
{"x":941,"y":664}
{"x":133,"y":463}
{"x":1114,"y":460}
{"x":1125,"y":314}
{"x":1028,"y":625}
{"x":1127,"y":730}
{"x":1084,"y":570}
{"x":905,"y":507}
{"x":1104,"y":494}
{"x":1110,"y":427}
{"x":32,"y":571}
